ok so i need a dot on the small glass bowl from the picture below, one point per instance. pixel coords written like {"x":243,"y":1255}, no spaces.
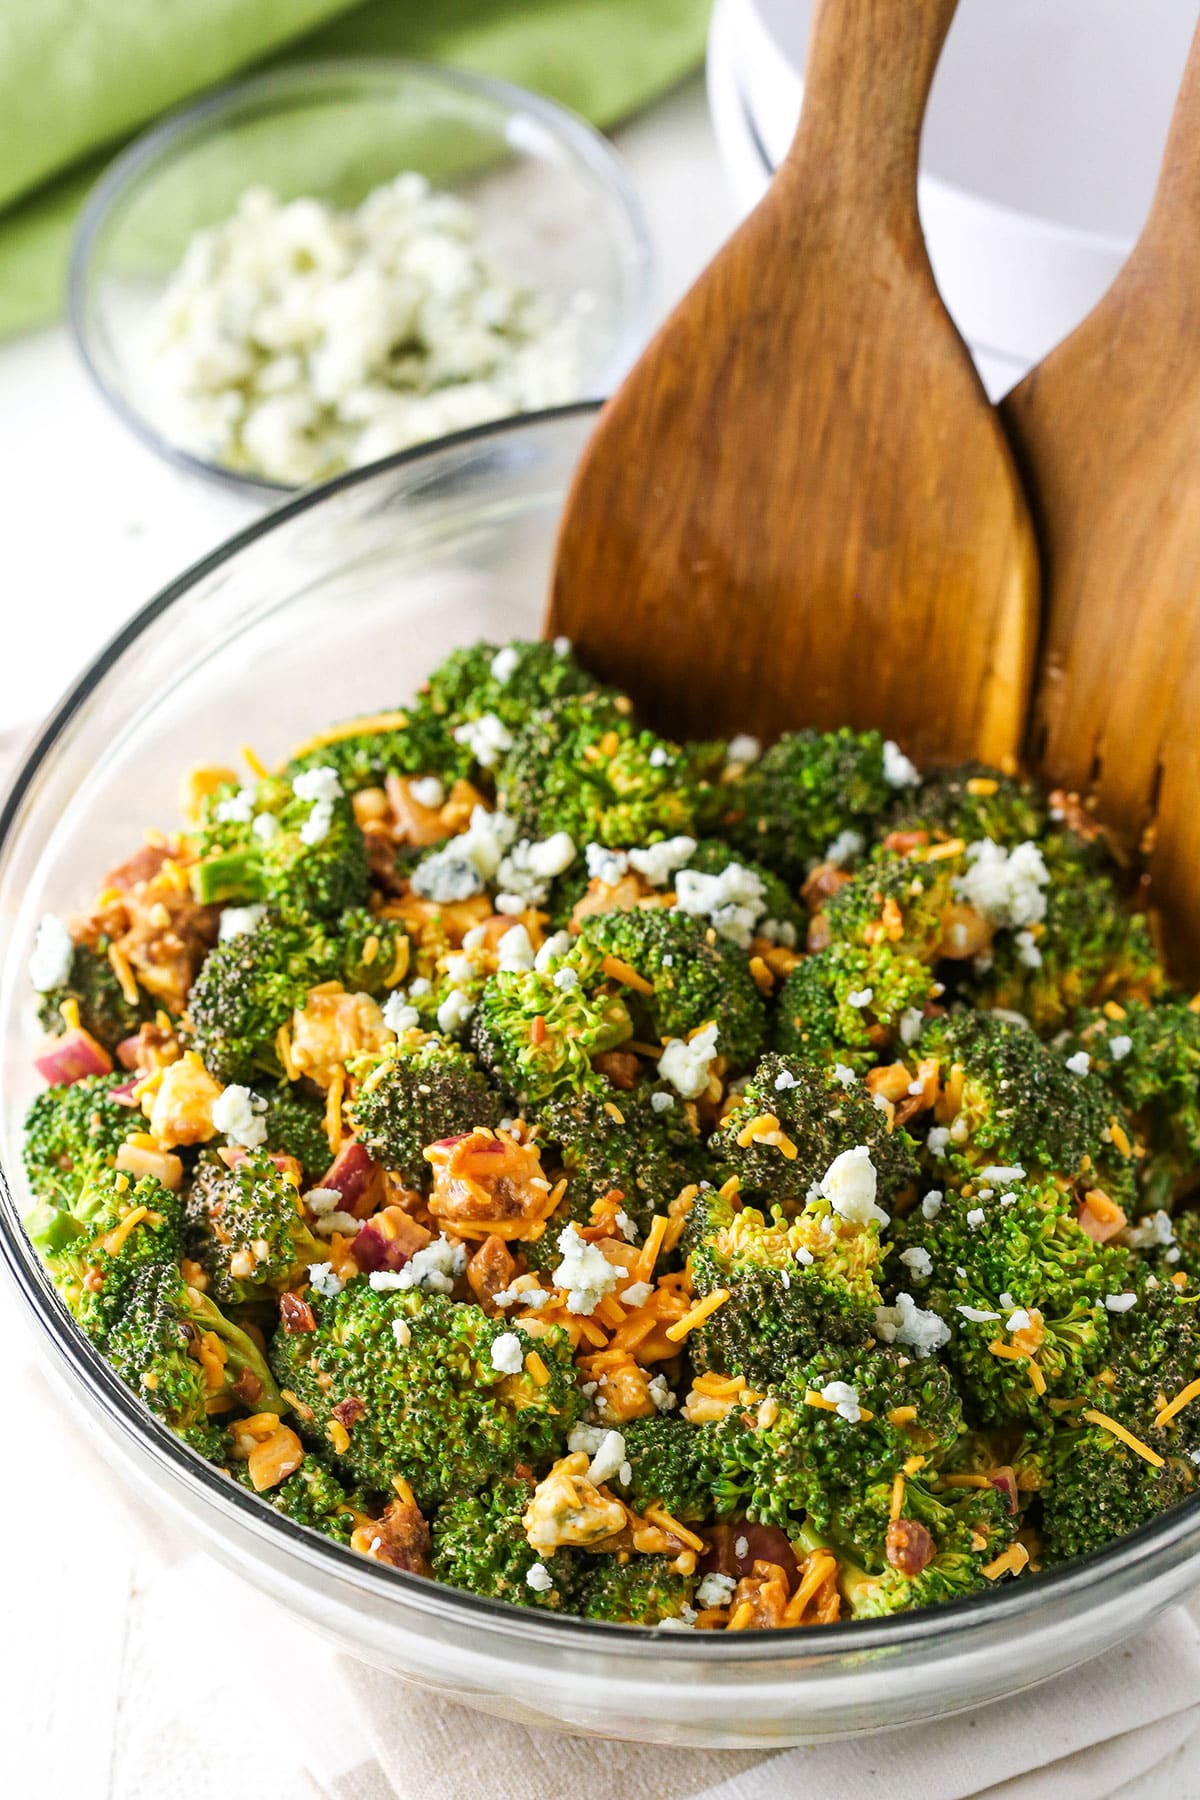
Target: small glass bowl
{"x":553,"y":199}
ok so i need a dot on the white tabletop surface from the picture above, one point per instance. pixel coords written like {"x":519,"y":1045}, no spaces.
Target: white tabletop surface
{"x":102,"y":1663}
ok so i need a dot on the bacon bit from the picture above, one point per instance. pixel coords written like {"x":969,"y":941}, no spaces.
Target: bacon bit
{"x":400,"y":1538}
{"x":1010,"y":1562}
{"x":537,"y":1031}
{"x":1182,"y":1399}
{"x":702,"y":1310}
{"x":1118,"y":1430}
{"x":349,"y":1411}
{"x":618,"y":970}
{"x":490,"y":1270}
{"x":763,"y":1543}
{"x":760,"y":1600}
{"x":909,"y":1546}
{"x":487,"y":1184}
{"x":620,"y":1067}
{"x":72,"y":1057}
{"x":296,"y":1314}
{"x":823,"y":883}
{"x":1099,"y":1216}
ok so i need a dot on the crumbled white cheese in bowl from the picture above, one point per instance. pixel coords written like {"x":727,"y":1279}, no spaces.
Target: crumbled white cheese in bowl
{"x":296,"y":340}
{"x":388,"y":252}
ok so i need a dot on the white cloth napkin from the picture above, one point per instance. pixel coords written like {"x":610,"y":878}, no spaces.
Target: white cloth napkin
{"x":1079,"y":1737}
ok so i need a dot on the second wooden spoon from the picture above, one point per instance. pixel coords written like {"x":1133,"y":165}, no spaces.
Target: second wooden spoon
{"x":1107,"y":430}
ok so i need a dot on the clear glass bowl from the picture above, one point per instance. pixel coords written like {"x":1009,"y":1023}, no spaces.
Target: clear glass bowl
{"x":554,"y":203}
{"x":340,"y":603}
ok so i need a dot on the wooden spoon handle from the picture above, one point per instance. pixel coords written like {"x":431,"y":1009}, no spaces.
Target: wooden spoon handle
{"x":867,"y":78}
{"x":1171,"y":234}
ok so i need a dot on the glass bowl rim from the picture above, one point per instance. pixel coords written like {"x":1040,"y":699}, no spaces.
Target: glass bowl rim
{"x":951,"y":1619}
{"x":588,"y":145}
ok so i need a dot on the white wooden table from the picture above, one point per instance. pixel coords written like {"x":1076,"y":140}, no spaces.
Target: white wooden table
{"x":117,"y":1681}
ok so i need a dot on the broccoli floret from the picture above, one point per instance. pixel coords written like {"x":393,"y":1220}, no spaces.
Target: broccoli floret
{"x":435,"y":1409}
{"x":479,"y":1543}
{"x":694,"y":976}
{"x":670,"y":1465}
{"x":1150,"y":1058}
{"x":182,"y":1356}
{"x":251,"y":984}
{"x":246,"y":1228}
{"x":509,"y":681}
{"x":1007,"y":1099}
{"x":114,"y":1258}
{"x":1089,"y":947}
{"x":415,"y":1093}
{"x":967,"y":803}
{"x":412,"y":740}
{"x":1095,"y":1488}
{"x":650,"y":1156}
{"x":312,"y":1495}
{"x":536,"y":1033}
{"x":793,"y":1288}
{"x":1155,"y":1357}
{"x":1009,"y":1266}
{"x":311,"y":859}
{"x":581,"y":765}
{"x":800,"y":1459}
{"x":70,"y":1130}
{"x":903,"y":903}
{"x":296,"y":1127}
{"x":643,"y":1591}
{"x":823,"y":1016}
{"x":97,"y":1239}
{"x":91,"y":983}
{"x":817,"y":1118}
{"x":787,"y":808}
{"x":955,"y":1569}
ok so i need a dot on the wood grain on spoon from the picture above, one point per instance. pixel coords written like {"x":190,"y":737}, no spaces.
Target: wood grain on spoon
{"x":799,"y":508}
{"x":1107,"y":430}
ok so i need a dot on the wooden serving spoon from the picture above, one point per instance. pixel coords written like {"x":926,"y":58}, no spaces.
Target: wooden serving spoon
{"x":1107,"y":432}
{"x":799,"y":508}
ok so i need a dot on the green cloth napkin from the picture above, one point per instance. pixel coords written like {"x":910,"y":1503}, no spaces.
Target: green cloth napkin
{"x":77,"y":76}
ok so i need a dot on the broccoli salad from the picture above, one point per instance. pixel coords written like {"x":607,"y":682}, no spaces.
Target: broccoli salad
{"x":678,"y":1185}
